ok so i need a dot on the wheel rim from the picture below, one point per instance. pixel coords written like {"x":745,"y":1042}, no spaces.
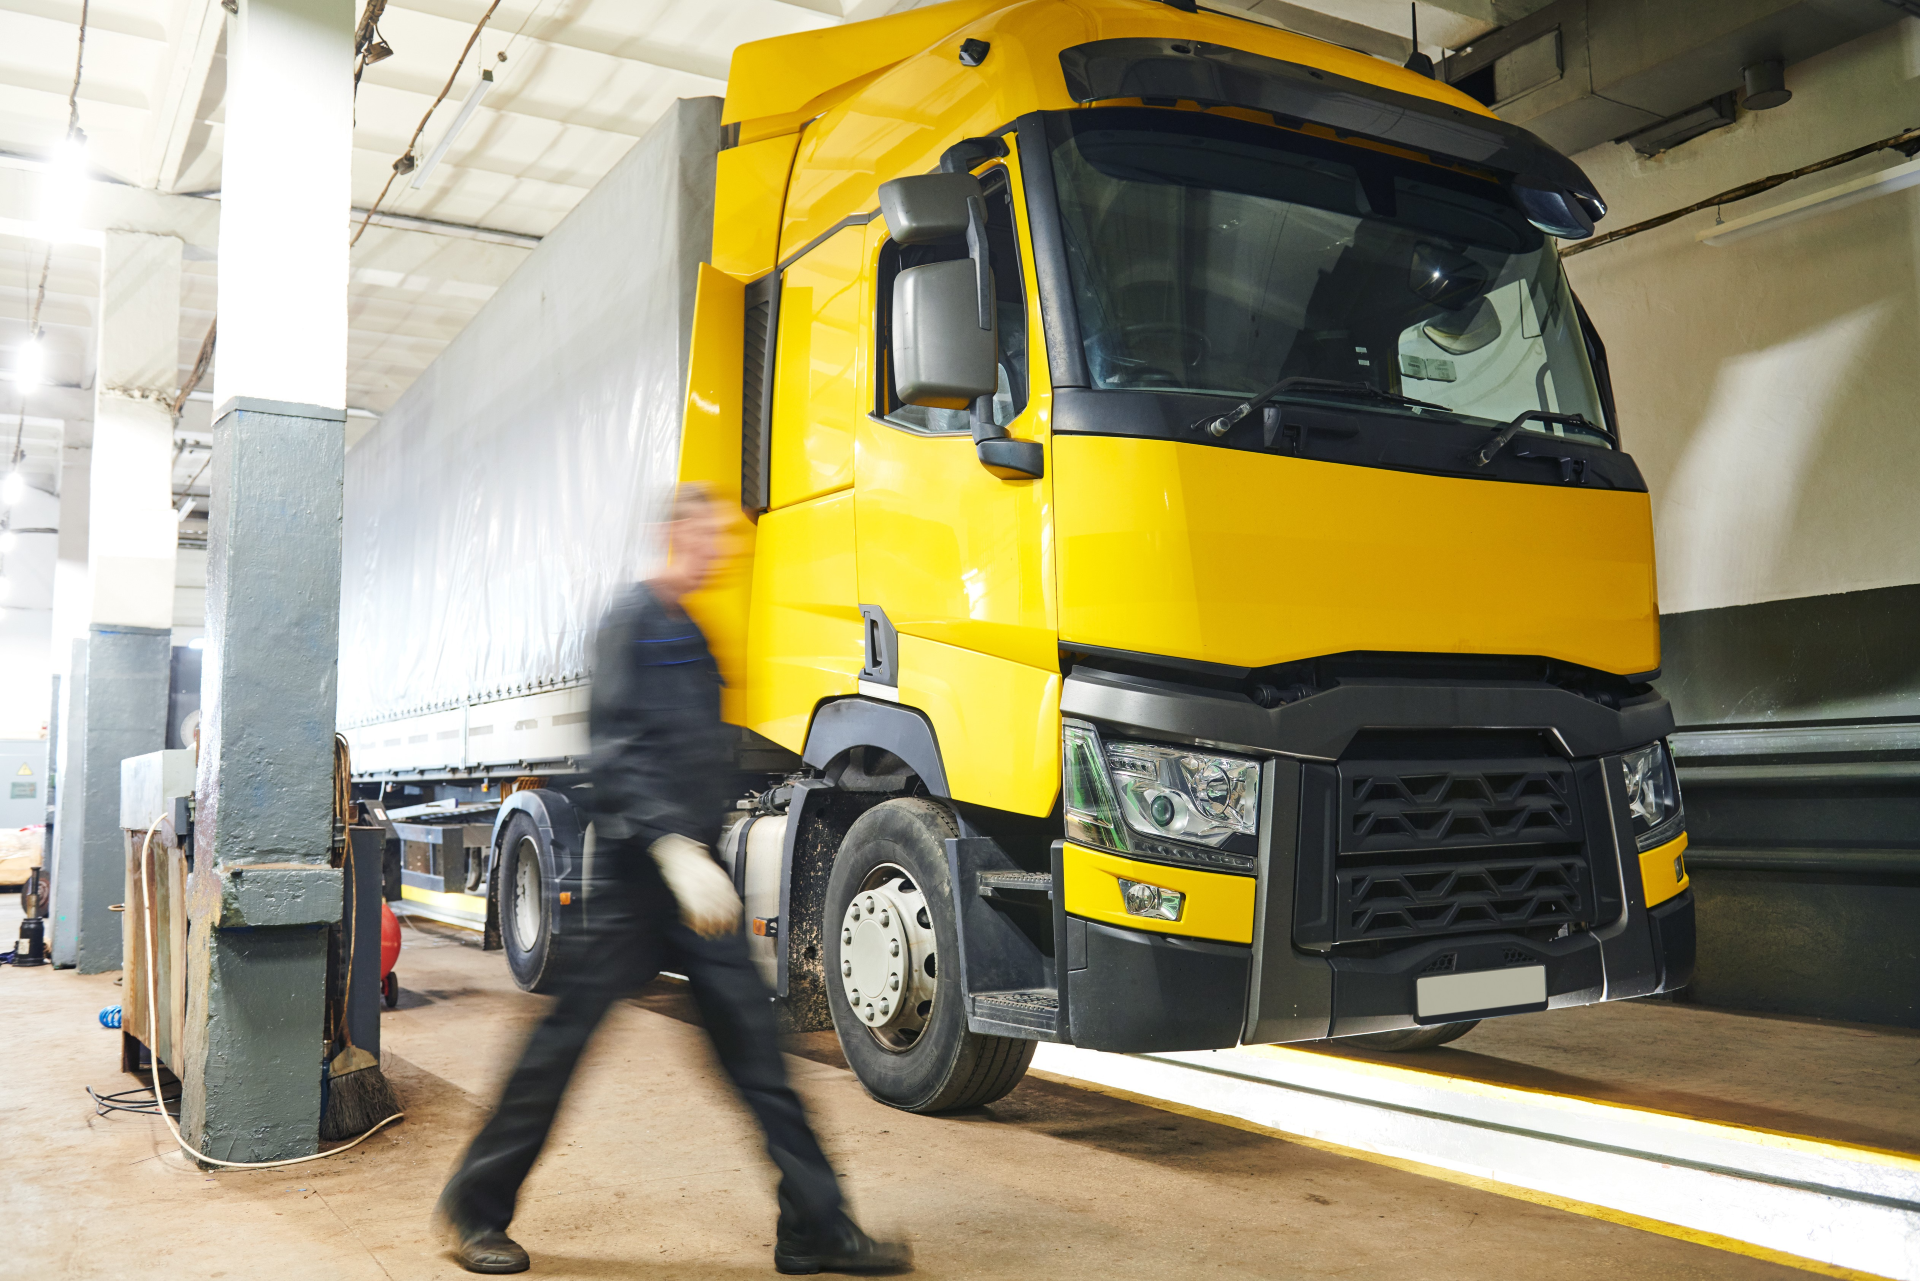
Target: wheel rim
{"x":526,"y":894}
{"x":888,"y":958}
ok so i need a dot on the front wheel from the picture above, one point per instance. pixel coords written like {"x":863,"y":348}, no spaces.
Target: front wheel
{"x":892,"y":968}
{"x":525,"y":929}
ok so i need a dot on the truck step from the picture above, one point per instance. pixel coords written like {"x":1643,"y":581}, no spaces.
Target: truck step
{"x":1037,"y":1009}
{"x":992,"y":882}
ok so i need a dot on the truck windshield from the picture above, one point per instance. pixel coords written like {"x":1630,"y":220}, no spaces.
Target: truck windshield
{"x":1215,"y":256}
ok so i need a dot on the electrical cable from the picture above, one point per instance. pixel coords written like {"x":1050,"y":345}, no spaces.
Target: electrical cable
{"x":79,"y":59}
{"x":1906,"y":141}
{"x":364,"y":37}
{"x":117,"y":1102}
{"x":153,"y":1036}
{"x":405,"y":164}
{"x":200,"y":363}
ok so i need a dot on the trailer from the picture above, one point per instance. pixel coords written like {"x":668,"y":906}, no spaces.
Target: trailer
{"x":1190,"y":589}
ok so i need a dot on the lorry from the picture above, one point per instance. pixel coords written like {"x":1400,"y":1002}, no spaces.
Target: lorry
{"x":1190,"y":589}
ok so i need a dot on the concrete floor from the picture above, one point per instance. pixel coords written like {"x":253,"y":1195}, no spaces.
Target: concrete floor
{"x":654,"y":1173}
{"x":1850,"y":1083}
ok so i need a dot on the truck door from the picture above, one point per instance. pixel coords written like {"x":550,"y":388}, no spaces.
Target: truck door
{"x":959,"y":559}
{"x":803,"y":631}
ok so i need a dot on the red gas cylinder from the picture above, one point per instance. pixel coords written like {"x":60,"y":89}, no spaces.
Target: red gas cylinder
{"x":389,"y":939}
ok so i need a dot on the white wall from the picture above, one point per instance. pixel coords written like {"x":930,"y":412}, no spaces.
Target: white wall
{"x":26,"y":620}
{"x":1769,"y":388}
{"x":189,"y":595}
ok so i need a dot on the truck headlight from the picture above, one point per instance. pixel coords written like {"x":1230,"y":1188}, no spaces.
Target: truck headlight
{"x":1653,"y":795}
{"x":1127,"y":797}
{"x":1188,"y":796}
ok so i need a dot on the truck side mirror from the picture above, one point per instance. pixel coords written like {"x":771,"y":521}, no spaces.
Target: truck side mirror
{"x":941,"y":356}
{"x":944,"y":350}
{"x":928,"y":207}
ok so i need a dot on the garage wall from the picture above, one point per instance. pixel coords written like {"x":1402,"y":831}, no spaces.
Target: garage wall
{"x":1768,"y":389}
{"x":1767,"y":386}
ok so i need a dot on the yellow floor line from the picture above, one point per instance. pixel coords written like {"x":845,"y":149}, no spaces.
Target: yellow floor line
{"x":1592,"y":1211}
{"x":1791,"y":1141}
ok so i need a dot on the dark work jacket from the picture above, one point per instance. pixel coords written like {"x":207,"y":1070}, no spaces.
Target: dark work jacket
{"x":661,"y":756}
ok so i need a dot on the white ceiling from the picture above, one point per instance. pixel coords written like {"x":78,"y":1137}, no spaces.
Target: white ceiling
{"x":582,"y":79}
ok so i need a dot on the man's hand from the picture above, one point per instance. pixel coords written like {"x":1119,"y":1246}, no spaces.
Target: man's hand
{"x":707,"y":901}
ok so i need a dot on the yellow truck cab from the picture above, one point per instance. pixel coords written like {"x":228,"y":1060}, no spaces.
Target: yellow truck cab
{"x":1185,"y":535}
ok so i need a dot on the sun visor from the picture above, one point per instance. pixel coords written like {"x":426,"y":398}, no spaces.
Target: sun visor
{"x":1550,"y":189}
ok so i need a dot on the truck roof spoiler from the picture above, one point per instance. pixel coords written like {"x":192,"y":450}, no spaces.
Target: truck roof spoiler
{"x":1553,"y":192}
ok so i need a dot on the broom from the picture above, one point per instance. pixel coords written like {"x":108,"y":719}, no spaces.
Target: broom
{"x":356,"y":1094}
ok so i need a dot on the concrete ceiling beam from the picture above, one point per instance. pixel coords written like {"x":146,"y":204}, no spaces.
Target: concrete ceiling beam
{"x":193,"y":41}
{"x":101,"y":207}
{"x":416,"y":75}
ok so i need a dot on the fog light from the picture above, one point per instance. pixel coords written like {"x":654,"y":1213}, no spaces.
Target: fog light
{"x":1143,"y":900}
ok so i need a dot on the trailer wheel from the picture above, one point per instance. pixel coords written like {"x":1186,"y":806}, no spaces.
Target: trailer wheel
{"x":1408,"y":1039}
{"x":525,"y":930}
{"x":892,"y":972}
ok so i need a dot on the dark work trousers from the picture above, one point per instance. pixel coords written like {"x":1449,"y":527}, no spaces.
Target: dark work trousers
{"x":737,"y":1010}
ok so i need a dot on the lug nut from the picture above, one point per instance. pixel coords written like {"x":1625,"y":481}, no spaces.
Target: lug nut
{"x":886,"y":918}
{"x":846,"y":969}
{"x":853,"y":997}
{"x":893,"y":949}
{"x":854,"y":912}
{"x":869,"y":903}
{"x":846,"y":936}
{"x":893,"y":982}
{"x":884,"y":1008}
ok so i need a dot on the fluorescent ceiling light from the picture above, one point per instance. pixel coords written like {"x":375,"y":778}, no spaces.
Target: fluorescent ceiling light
{"x":467,"y":108}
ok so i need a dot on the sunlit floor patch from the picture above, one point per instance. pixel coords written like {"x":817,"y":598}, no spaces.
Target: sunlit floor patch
{"x":1793,"y":1199}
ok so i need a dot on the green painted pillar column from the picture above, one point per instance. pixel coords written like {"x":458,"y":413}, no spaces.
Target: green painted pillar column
{"x":263,"y":888}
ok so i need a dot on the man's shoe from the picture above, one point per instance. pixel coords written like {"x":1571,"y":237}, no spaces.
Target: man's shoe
{"x":839,"y":1248}
{"x":477,"y":1250}
{"x":489,"y":1251}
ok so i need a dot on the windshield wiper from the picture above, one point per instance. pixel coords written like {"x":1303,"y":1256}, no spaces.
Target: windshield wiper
{"x":1513,"y":429}
{"x":1300,"y":383}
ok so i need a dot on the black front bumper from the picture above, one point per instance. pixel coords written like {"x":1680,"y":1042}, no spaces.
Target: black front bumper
{"x":1135,"y":991}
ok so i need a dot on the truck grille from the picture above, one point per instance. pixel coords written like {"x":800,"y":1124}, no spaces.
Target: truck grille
{"x":1450,"y":847}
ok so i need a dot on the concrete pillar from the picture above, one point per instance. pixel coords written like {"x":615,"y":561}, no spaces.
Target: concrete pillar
{"x":131,"y":538}
{"x":263,"y":887}
{"x":71,"y":602}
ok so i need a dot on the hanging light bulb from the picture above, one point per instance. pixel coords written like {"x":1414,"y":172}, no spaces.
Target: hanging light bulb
{"x":14,"y":488}
{"x":30,"y":366}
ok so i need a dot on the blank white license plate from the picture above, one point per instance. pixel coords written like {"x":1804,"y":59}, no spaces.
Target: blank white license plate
{"x":1480,"y":990}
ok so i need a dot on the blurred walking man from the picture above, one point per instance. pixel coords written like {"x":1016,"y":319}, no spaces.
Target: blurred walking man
{"x":661,"y":779}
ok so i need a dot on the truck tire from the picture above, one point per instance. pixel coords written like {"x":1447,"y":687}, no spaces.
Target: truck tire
{"x":526,"y":931}
{"x":908,"y":1044}
{"x":1407,"y":1039}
